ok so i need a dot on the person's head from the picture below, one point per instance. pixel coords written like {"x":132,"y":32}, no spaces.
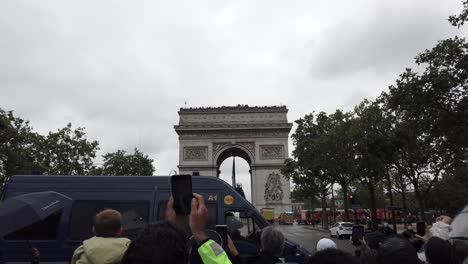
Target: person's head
{"x":374,"y":239}
{"x":272,"y":241}
{"x":441,"y":229}
{"x":438,"y":251}
{"x":159,"y":243}
{"x":445,"y":219}
{"x":325,"y":243}
{"x":108,"y":223}
{"x":397,"y":250}
{"x":332,"y":256}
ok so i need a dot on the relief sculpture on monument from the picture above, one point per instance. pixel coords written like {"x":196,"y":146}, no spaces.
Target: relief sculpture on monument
{"x":273,"y":188}
{"x":196,"y":153}
{"x":271,"y":151}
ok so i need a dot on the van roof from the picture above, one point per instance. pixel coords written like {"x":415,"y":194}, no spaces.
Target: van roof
{"x":30,"y":183}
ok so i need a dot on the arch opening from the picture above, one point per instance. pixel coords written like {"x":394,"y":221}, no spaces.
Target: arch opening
{"x":234,"y":167}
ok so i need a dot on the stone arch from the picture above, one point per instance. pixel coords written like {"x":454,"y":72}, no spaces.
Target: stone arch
{"x":259,"y":135}
{"x":231,"y":150}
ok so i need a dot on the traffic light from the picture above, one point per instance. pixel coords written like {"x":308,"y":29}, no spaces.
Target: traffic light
{"x":351,"y":198}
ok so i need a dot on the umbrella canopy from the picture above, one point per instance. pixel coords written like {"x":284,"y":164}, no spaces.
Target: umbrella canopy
{"x":23,"y":210}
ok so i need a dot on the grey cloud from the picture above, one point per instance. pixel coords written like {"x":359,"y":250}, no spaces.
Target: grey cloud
{"x":122,"y":69}
{"x":383,"y":41}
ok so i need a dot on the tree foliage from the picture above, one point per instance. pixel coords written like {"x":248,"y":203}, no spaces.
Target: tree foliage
{"x":308,"y":168}
{"x":17,"y":145}
{"x":414,"y":136}
{"x":66,"y":151}
{"x":121,"y":163}
{"x":459,"y":20}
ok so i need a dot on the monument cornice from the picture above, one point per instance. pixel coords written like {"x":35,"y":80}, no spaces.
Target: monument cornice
{"x":232,"y":133}
{"x":234,"y":109}
{"x":232,"y":126}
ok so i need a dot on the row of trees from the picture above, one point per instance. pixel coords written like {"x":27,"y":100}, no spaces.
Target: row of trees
{"x":412,"y":140}
{"x":66,"y":151}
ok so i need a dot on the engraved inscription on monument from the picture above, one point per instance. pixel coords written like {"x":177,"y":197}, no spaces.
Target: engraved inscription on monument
{"x":273,"y":188}
{"x":196,"y":153}
{"x":271,"y":152}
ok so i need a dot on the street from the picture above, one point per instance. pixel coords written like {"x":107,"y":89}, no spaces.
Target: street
{"x":307,"y":237}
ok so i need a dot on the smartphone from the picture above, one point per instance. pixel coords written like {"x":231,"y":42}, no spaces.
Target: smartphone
{"x":222,"y":231}
{"x":181,"y":187}
{"x":358,"y":233}
{"x":421,"y":228}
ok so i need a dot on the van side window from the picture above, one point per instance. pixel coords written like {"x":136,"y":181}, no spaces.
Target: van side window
{"x":212,"y":213}
{"x":46,"y":229}
{"x":134,"y":217}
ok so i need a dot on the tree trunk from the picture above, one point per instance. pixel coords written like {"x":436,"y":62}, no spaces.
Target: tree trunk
{"x":345,"y":201}
{"x":390,"y":196}
{"x":403,"y":194}
{"x":324,"y":211}
{"x":373,"y":205}
{"x":420,"y":199}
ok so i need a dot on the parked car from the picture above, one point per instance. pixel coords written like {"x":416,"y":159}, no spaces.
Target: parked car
{"x":341,"y":229}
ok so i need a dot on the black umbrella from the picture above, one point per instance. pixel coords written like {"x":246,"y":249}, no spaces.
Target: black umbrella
{"x":23,"y":210}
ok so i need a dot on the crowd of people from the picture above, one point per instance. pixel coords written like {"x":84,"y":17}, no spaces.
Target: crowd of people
{"x":446,"y":241}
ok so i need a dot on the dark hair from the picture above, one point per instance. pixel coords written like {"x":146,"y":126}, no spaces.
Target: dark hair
{"x":374,"y":239}
{"x":332,"y":256}
{"x":397,"y":250}
{"x":107,"y":223}
{"x":438,"y":251}
{"x":158,"y":243}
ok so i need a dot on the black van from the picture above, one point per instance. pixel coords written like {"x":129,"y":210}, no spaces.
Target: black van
{"x":141,"y":200}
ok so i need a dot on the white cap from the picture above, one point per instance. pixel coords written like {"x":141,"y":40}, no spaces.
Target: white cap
{"x":325,"y":243}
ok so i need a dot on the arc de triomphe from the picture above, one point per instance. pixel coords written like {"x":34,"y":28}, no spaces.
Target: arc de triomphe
{"x":259,"y":135}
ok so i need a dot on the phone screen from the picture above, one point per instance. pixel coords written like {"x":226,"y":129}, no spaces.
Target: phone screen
{"x":358,"y":232}
{"x":222,"y":231}
{"x":181,"y":186}
{"x":421,"y":228}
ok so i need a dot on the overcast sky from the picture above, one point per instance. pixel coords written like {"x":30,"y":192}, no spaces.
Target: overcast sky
{"x":122,"y":69}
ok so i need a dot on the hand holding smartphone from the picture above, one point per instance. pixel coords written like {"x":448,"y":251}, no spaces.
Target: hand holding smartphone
{"x":357,"y":234}
{"x":421,"y":228}
{"x":181,"y":187}
{"x":222,"y":231}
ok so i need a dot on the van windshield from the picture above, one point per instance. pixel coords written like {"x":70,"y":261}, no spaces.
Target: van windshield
{"x":241,"y":225}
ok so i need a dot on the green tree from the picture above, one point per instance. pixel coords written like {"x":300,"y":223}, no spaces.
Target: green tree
{"x":307,"y":169}
{"x":459,"y":20}
{"x":338,"y":148}
{"x":66,"y":152}
{"x":303,"y":194}
{"x":362,"y":196}
{"x":17,"y":147}
{"x":431,"y":116}
{"x":121,"y":163}
{"x":372,"y":147}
